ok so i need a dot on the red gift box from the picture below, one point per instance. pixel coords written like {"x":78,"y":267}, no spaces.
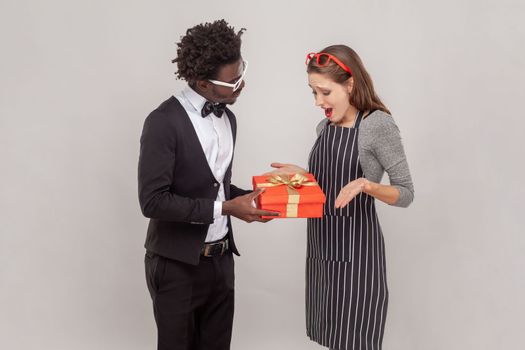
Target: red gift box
{"x":293,"y":196}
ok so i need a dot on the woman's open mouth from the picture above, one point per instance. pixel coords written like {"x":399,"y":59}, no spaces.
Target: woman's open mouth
{"x":328,"y":112}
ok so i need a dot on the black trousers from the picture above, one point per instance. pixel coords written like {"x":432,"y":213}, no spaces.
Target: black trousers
{"x":193,"y":305}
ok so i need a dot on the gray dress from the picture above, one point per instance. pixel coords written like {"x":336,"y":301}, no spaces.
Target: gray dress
{"x":346,"y":289}
{"x":381,"y":150}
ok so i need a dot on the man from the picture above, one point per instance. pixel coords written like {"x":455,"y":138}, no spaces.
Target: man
{"x":184,"y":188}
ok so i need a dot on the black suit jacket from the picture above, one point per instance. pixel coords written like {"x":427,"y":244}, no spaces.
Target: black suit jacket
{"x":177,"y":188}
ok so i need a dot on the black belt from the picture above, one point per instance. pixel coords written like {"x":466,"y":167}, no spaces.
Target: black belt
{"x":215,"y":248}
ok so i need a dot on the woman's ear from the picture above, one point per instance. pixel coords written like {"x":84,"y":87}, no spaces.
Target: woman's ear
{"x":350,"y":84}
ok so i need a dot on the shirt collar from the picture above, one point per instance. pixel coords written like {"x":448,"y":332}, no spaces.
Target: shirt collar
{"x":196,"y":100}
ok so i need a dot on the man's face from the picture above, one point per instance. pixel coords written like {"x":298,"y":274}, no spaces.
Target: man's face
{"x":228,"y":73}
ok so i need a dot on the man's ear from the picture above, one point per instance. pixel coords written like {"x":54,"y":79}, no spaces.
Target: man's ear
{"x":202,"y":85}
{"x":350,"y":84}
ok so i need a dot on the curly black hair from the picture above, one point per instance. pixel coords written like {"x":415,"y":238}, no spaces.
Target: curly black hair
{"x":205,"y":48}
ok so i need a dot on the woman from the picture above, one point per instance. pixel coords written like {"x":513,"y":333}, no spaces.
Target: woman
{"x":346,"y":290}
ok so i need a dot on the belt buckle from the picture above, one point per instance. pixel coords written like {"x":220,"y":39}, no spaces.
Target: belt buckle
{"x":207,"y":250}
{"x":209,"y":247}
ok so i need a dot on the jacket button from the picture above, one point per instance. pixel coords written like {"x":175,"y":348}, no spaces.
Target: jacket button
{"x":215,"y":184}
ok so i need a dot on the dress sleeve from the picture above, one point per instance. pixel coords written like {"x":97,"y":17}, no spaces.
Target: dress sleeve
{"x":387,"y":148}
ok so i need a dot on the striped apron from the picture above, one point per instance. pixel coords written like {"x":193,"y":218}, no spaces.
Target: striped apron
{"x":346,"y":290}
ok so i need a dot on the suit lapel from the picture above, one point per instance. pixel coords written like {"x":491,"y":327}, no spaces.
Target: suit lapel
{"x":233,"y":123}
{"x":194,"y":138}
{"x":196,"y":144}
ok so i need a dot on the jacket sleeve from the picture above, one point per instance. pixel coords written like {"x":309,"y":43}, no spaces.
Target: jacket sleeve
{"x":155,"y":176}
{"x":236,"y":191}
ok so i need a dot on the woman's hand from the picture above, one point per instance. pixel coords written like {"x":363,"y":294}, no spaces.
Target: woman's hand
{"x":282,"y":168}
{"x":350,"y":191}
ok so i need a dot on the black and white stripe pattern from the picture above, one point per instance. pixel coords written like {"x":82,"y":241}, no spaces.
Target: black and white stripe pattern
{"x":346,"y":290}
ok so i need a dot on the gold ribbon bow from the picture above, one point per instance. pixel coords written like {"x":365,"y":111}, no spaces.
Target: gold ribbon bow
{"x":292,"y":184}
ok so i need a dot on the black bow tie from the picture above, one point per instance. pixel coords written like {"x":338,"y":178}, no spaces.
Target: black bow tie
{"x":209,"y":107}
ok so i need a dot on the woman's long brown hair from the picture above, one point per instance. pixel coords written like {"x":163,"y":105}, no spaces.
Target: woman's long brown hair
{"x":363,"y":97}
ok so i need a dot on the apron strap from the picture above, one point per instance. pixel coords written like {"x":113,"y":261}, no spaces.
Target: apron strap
{"x":358,"y":119}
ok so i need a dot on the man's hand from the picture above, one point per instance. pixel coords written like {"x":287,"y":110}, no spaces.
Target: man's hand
{"x":241,"y":207}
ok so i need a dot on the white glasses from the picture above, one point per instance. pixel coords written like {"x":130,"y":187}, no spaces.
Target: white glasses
{"x":235,"y":86}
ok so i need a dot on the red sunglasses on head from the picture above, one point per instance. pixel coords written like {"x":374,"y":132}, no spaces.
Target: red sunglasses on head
{"x":323,"y":59}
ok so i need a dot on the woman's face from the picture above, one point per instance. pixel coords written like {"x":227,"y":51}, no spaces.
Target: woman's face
{"x":332,"y":97}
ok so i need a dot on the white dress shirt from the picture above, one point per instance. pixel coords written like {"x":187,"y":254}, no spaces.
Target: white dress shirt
{"x":215,"y":136}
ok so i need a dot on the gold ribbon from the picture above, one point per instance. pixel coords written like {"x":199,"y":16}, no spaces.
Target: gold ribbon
{"x":292,"y":184}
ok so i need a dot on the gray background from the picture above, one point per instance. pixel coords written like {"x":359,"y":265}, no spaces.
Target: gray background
{"x":78,"y":79}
